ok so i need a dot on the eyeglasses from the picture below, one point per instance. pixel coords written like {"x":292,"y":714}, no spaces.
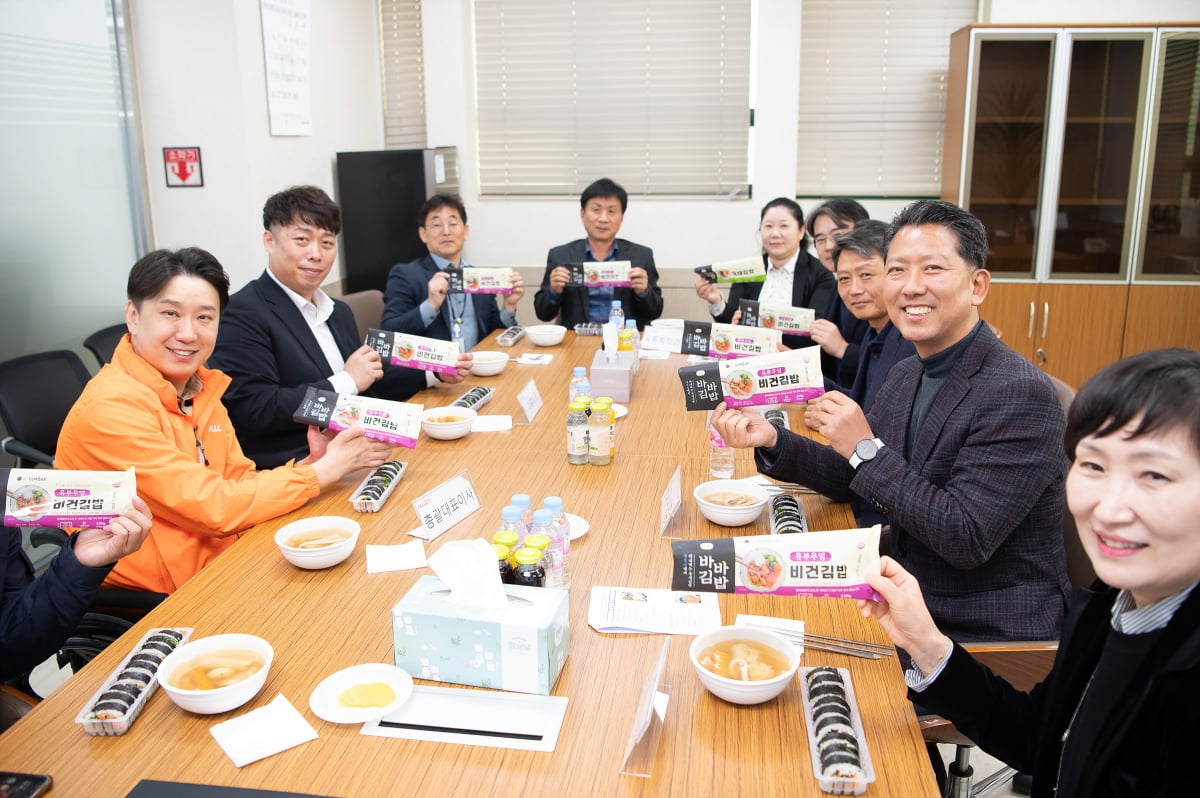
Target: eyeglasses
{"x":822,"y":240}
{"x":452,"y":225}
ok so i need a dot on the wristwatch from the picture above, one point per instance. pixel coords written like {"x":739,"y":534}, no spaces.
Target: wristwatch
{"x":864,"y":451}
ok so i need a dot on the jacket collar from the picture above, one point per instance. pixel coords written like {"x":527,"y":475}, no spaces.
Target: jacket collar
{"x":213,"y":382}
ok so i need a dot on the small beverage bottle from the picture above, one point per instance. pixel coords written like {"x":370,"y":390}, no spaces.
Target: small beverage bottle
{"x":577,"y":433}
{"x":580,"y":375}
{"x":720,"y":456}
{"x":599,"y":446}
{"x":560,"y":541}
{"x":584,"y":394}
{"x":616,"y":316}
{"x":511,"y":529}
{"x":541,"y":536}
{"x":523,"y":501}
{"x":630,"y":324}
{"x":529,"y":571}
{"x":502,"y":563}
{"x":625,"y":341}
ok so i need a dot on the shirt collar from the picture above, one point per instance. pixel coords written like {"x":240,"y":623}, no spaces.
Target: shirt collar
{"x":321,"y":304}
{"x":612,"y":253}
{"x":444,"y":264}
{"x":1138,"y":620}
{"x":789,"y":267}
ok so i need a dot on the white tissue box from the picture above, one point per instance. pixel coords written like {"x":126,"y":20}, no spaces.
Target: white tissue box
{"x":614,"y":380}
{"x":520,"y":647}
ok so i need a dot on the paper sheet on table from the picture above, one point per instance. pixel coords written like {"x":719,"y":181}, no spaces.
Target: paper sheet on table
{"x":492,"y":423}
{"x":635,"y":610}
{"x":535,"y":359}
{"x":476,"y":717}
{"x":381,"y":559}
{"x":262,"y":732}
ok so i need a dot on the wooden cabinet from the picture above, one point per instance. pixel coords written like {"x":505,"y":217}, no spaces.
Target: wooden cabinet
{"x":1077,"y":149}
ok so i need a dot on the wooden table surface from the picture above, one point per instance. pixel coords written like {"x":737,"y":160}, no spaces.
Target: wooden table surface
{"x":322,"y":621}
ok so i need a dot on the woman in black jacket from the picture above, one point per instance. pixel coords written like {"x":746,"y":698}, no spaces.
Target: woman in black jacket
{"x":1117,"y":715}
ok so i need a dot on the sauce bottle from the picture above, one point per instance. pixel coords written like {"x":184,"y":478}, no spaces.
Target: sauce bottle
{"x":529,"y":571}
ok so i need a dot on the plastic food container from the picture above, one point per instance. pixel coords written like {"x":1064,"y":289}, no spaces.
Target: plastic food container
{"x":373,"y":491}
{"x":474,"y":398}
{"x":834,"y":784}
{"x":129,"y":674}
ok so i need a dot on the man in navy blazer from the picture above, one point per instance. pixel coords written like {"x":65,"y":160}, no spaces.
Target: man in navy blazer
{"x":962,"y":449}
{"x":282,"y":334}
{"x":602,"y":209}
{"x":416,"y":300}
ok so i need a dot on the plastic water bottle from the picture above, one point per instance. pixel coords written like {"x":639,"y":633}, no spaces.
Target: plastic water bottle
{"x":577,"y":433}
{"x":580,"y":376}
{"x":523,"y":501}
{"x":583,"y":394}
{"x":561,"y":538}
{"x":616,"y":316}
{"x":720,"y":456}
{"x":543,"y":524}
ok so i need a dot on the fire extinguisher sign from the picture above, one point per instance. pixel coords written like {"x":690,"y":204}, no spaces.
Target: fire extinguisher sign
{"x":182,"y":165}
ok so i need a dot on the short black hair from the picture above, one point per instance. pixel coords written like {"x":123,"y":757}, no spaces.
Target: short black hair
{"x":307,"y":204}
{"x":439,"y":201}
{"x":604,"y":188}
{"x":150,"y":275}
{"x":867,"y":239}
{"x":844,"y":212}
{"x":972,"y":236}
{"x":1161,"y":388}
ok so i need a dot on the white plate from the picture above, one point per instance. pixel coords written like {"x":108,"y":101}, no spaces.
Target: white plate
{"x":579,"y":527}
{"x":324,"y":699}
{"x":620,"y":411}
{"x":667,"y":323}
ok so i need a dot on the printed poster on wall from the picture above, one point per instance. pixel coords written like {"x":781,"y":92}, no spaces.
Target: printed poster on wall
{"x":286,"y":46}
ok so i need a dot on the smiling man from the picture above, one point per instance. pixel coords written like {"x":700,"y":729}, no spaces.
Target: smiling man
{"x":601,"y":209}
{"x":282,"y":334}
{"x":962,"y":449}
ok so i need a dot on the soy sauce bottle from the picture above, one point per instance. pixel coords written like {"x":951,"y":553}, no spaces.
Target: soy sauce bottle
{"x":529,"y":571}
{"x":506,"y":570}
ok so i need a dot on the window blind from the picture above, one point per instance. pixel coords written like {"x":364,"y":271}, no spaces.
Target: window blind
{"x":403,"y":74}
{"x":653,"y":94}
{"x":873,"y":95}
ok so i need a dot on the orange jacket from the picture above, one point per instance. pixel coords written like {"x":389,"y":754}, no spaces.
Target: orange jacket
{"x":129,"y":415}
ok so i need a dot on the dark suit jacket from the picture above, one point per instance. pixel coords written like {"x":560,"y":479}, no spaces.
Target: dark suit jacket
{"x":408,"y":287}
{"x":811,"y":286}
{"x":572,"y":307}
{"x":841,"y":370}
{"x":266,"y":347}
{"x":1146,"y":745}
{"x":977,"y":513}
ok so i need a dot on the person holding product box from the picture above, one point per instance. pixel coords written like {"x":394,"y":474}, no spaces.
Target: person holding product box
{"x":156,"y":408}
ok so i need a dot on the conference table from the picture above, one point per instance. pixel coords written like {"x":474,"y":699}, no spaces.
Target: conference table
{"x":322,"y":621}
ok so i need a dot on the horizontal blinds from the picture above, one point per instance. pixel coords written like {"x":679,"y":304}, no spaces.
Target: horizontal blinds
{"x":873,"y":95}
{"x":403,"y":74}
{"x":653,"y":94}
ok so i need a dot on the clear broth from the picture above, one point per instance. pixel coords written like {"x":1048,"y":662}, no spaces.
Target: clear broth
{"x":744,"y":660}
{"x":217,"y":669}
{"x":317,"y":539}
{"x":728,"y":498}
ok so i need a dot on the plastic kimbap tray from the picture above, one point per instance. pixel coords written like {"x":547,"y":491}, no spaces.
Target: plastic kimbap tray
{"x":115,"y":706}
{"x":475,"y":398}
{"x":836,"y":742}
{"x":373,"y":491}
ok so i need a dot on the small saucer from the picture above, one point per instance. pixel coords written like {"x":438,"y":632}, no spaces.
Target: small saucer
{"x":324,"y":699}
{"x":579,"y":527}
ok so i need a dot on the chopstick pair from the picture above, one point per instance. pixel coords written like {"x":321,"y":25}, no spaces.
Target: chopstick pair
{"x":833,"y":645}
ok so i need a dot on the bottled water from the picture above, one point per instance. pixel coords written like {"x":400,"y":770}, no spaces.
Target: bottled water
{"x":561,"y":538}
{"x":584,"y":394}
{"x":511,"y":529}
{"x":616,"y":316}
{"x":580,"y":376}
{"x":523,"y":501}
{"x":720,"y":456}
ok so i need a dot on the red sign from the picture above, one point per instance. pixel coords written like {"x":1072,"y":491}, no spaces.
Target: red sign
{"x":182,"y":165}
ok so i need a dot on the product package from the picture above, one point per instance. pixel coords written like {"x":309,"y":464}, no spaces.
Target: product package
{"x":397,"y":423}
{"x":476,"y":280}
{"x":742,"y":270}
{"x":770,"y":379}
{"x":71,"y":499}
{"x":414,"y":351}
{"x":824,"y":564}
{"x":594,"y":274}
{"x":734,"y":340}
{"x":787,"y":320}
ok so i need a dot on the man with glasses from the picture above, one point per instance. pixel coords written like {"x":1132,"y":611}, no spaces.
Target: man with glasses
{"x":416,"y":299}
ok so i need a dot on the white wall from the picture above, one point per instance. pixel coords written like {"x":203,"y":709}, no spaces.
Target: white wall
{"x":202,"y":82}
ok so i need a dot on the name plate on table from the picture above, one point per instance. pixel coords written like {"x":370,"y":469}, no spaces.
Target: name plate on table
{"x":445,"y":505}
{"x":397,"y":423}
{"x":530,"y":402}
{"x":689,"y":338}
{"x":742,"y":270}
{"x":734,"y":340}
{"x":599,"y":273}
{"x":414,"y":351}
{"x":476,"y":280}
{"x":791,"y":376}
{"x":787,"y":320}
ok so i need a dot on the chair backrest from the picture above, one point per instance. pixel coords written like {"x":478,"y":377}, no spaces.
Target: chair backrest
{"x":1079,"y":567}
{"x":36,"y":393}
{"x":102,"y":343}
{"x":368,"y":309}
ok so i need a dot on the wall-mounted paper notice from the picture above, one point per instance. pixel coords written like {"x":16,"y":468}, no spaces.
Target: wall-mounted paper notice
{"x":286,"y":26}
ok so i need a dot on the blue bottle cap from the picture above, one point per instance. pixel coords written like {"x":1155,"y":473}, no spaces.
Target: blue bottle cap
{"x":553,"y":503}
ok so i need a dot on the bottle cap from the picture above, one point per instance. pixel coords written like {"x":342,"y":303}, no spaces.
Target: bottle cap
{"x":616,"y":303}
{"x":584,"y":387}
{"x":506,"y":537}
{"x":630,"y":324}
{"x":553,"y":503}
{"x":578,"y":406}
{"x":543,"y":516}
{"x":501,"y":551}
{"x":581,"y":371}
{"x":521,"y":500}
{"x":528,"y":556}
{"x":537,"y":541}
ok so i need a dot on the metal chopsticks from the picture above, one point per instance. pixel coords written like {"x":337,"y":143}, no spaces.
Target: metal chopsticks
{"x":833,"y":645}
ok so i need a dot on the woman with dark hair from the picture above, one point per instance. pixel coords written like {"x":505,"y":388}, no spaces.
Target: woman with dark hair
{"x":156,"y":408}
{"x":1116,"y":715}
{"x":794,"y":277}
{"x":838,"y":332}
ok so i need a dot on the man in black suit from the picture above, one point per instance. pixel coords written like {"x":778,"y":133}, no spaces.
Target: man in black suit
{"x":416,"y":299}
{"x":282,"y":334}
{"x":602,"y":209}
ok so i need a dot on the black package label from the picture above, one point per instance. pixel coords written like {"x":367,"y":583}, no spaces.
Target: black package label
{"x":705,"y":565}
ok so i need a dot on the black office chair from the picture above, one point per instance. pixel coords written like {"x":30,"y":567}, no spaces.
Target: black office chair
{"x":36,"y":393}
{"x":102,"y":343}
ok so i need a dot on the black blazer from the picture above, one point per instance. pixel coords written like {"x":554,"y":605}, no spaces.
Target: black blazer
{"x":408,"y":287}
{"x":811,"y":286}
{"x":842,"y":370}
{"x":266,"y":347}
{"x":572,"y":307}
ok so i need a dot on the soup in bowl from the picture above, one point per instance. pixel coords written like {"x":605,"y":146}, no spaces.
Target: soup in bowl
{"x":318,"y":542}
{"x":447,"y":423}
{"x":730,"y":502}
{"x":744,"y":665}
{"x":217,"y":673}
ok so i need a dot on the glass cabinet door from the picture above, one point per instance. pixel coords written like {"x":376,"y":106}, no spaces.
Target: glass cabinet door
{"x":1171,"y":248}
{"x":1008,"y":142}
{"x":1101,"y":139}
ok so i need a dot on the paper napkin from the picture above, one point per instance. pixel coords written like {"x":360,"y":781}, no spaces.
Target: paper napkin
{"x":262,"y":732}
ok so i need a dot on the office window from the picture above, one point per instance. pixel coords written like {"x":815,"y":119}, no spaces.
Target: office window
{"x":403,"y":74}
{"x":873,"y":95}
{"x":653,"y":95}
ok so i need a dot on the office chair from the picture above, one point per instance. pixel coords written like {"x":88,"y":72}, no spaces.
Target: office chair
{"x":1022,"y":664}
{"x":36,"y":393}
{"x":102,"y":343}
{"x":368,"y":309}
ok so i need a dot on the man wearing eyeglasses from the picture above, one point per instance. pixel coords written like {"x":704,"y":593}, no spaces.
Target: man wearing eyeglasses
{"x":416,"y":299}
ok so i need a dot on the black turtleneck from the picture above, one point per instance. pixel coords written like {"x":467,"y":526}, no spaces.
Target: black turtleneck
{"x":937,"y":368}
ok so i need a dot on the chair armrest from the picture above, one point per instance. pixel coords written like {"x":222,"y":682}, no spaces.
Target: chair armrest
{"x":49,"y":536}
{"x":24,"y":451}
